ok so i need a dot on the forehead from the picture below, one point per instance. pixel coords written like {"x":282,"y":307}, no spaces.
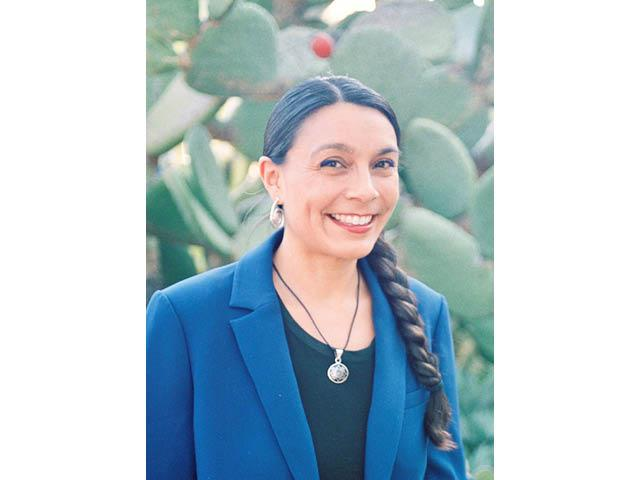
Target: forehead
{"x":362,"y":128}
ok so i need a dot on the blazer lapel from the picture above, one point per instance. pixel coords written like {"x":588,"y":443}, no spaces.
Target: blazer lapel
{"x":262,"y":341}
{"x":263,"y":344}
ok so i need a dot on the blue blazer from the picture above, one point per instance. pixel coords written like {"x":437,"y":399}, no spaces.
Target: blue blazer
{"x":222,"y":396}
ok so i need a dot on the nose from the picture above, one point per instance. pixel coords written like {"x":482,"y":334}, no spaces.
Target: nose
{"x":361,"y":187}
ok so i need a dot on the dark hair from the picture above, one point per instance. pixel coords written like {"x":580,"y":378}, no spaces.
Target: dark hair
{"x":290,"y":111}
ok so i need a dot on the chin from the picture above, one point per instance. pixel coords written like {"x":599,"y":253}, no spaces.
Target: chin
{"x":355,"y":252}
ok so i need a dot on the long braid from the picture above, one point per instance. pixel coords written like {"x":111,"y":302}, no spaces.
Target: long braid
{"x":403,"y":302}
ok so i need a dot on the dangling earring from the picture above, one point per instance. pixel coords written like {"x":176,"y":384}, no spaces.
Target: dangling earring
{"x":276,"y":216}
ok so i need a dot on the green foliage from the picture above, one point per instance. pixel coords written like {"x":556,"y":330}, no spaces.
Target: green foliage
{"x":478,"y":388}
{"x":484,"y":473}
{"x":249,"y":190}
{"x":467,"y":20}
{"x":446,"y":257}
{"x":161,"y":57}
{"x":454,"y":4}
{"x":481,"y":330}
{"x":172,"y":19}
{"x":394,"y":221}
{"x":447,"y":98}
{"x":236,"y":56}
{"x":473,"y":126}
{"x":481,"y":213}
{"x":163,"y":216}
{"x":156,"y":85}
{"x":426,"y":26}
{"x":220,"y":78}
{"x":266,"y":4}
{"x":176,"y":110}
{"x":218,"y":8}
{"x":247,"y":126}
{"x":439,"y":172}
{"x":197,"y":219}
{"x":176,"y":262}
{"x":375,"y":56}
{"x":485,"y":38}
{"x":255,"y":226}
{"x":210,"y":179}
{"x":296,"y":61}
{"x":476,"y":408}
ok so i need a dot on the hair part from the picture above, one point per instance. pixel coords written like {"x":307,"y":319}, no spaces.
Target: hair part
{"x":286,"y":118}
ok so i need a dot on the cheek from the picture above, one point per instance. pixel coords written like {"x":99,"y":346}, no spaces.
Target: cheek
{"x":311,"y":203}
{"x":317,"y":198}
{"x":389,"y":189}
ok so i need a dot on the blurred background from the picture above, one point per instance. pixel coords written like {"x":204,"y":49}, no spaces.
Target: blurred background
{"x":216,"y":68}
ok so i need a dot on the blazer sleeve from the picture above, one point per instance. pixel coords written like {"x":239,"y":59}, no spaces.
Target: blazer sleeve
{"x":170,"y":445}
{"x":446,"y":465}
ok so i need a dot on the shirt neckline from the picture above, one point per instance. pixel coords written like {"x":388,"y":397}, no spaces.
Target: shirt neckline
{"x":317,"y":345}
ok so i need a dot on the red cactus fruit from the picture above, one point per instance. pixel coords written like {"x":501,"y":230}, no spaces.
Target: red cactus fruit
{"x":322,"y":44}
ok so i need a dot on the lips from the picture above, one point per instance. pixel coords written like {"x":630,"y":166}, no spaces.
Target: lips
{"x":352,"y":219}
{"x":353,"y":227}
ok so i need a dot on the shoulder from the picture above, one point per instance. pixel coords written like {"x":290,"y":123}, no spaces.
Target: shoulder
{"x":205,"y":281}
{"x":430,"y":302}
{"x":204,"y":290}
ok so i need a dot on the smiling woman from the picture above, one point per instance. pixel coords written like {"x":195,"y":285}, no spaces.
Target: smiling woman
{"x":335,"y":184}
{"x":315,"y":356}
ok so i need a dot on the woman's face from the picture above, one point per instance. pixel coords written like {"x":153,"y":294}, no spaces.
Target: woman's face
{"x":339,"y":182}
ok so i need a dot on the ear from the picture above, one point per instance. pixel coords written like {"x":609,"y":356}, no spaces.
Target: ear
{"x":271,"y":176}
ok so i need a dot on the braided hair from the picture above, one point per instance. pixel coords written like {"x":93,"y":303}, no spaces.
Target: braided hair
{"x":289,"y":112}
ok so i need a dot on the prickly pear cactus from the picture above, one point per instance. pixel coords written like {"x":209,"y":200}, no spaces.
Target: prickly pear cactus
{"x":481,"y":213}
{"x":446,"y":257}
{"x":177,"y":108}
{"x":296,"y":61}
{"x":247,"y":126}
{"x":426,"y":26}
{"x":215,"y":70}
{"x":210,"y":179}
{"x":374,"y":56}
{"x":236,"y":56}
{"x":439,"y":172}
{"x":172,"y":19}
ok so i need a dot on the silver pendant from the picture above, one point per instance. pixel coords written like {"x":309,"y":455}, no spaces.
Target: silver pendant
{"x":338,"y":371}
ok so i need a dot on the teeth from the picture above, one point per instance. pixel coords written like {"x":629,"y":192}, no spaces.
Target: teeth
{"x":353,"y":219}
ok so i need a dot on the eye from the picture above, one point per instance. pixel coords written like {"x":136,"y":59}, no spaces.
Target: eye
{"x":331,"y":162}
{"x":390,"y":163}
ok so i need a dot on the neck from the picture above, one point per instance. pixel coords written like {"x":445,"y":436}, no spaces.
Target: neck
{"x":315,"y":277}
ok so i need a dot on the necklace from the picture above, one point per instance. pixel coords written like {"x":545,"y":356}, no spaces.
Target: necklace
{"x":337,"y":371}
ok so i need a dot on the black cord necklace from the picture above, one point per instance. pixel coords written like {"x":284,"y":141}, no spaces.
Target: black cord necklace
{"x":337,"y":371}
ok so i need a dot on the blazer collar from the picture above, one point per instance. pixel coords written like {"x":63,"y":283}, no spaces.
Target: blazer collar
{"x":262,"y":341}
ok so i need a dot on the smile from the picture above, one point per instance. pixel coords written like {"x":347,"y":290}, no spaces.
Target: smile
{"x":358,"y":224}
{"x":356,"y":220}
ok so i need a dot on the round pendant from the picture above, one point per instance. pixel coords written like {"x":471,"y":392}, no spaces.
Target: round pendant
{"x":338,"y":372}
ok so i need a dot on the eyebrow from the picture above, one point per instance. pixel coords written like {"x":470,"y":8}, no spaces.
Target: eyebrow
{"x":348,"y":149}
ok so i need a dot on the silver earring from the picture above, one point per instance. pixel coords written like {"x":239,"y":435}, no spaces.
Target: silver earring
{"x":276,"y":216}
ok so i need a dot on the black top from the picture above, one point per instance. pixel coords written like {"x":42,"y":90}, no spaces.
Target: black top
{"x":337,"y":413}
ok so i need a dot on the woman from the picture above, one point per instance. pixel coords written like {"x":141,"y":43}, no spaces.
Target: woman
{"x":313,"y":356}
